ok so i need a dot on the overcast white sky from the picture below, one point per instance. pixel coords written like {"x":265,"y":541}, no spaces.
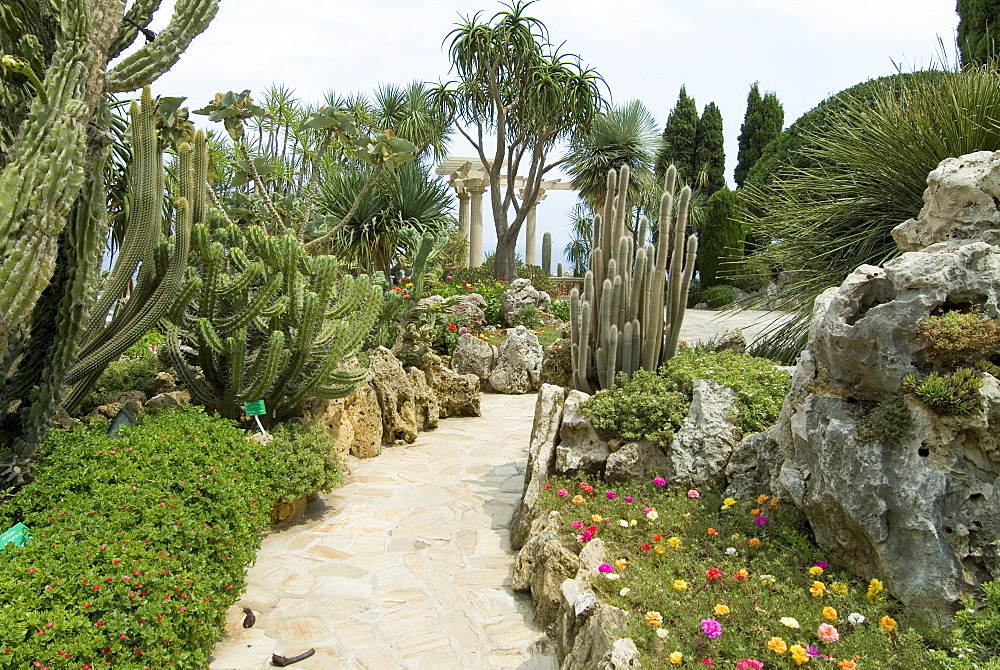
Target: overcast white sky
{"x":804,"y":50}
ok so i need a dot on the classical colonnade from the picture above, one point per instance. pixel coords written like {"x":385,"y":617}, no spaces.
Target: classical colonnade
{"x":470,"y":181}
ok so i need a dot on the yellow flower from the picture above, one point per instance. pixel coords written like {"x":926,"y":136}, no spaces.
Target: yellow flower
{"x":728,"y":502}
{"x":767,"y":580}
{"x":579,"y":500}
{"x":887,"y":623}
{"x":674,"y":542}
{"x":777,"y":645}
{"x":408,"y":284}
{"x":721,"y":609}
{"x":840,"y":588}
{"x":789,"y":621}
{"x":830,"y":614}
{"x":742,"y":575}
{"x":654,"y":619}
{"x":680,"y":585}
{"x":818,"y":589}
{"x":597,"y":518}
{"x":632,"y":522}
{"x":799,"y":654}
{"x":621,"y":564}
{"x":761,"y":499}
{"x":875,"y":589}
{"x":815,"y":571}
{"x":659,"y":549}
{"x":676,"y":657}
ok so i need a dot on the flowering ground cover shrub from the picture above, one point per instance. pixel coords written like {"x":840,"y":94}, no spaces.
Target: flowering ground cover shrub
{"x":645,"y":407}
{"x":306,"y":462}
{"x":729,"y":584}
{"x":490,"y":289}
{"x":139,"y":544}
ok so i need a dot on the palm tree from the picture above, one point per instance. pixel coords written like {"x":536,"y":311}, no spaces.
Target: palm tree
{"x":577,"y":250}
{"x":625,"y":135}
{"x":410,"y":112}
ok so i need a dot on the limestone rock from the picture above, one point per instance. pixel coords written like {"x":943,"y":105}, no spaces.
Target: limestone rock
{"x":457,"y":395}
{"x":701,"y":448}
{"x":753,"y":467}
{"x":395,"y":397}
{"x":596,"y":647}
{"x":171,"y":399}
{"x":542,"y":565}
{"x":518,"y":363}
{"x":732,"y":340}
{"x":360,"y":428}
{"x":960,"y":203}
{"x":581,"y":449}
{"x":424,"y":400}
{"x":471,"y":312}
{"x":541,"y":453}
{"x":473,"y":356}
{"x":131,"y":400}
{"x":164,"y":382}
{"x":522,"y":294}
{"x":286,"y":512}
{"x":634,"y":460}
{"x":557,"y":363}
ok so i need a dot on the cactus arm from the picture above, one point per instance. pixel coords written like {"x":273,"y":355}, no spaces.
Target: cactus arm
{"x":139,"y":14}
{"x":196,"y":386}
{"x":266,"y":367}
{"x":191,"y":18}
{"x":236,"y":349}
{"x":675,"y":326}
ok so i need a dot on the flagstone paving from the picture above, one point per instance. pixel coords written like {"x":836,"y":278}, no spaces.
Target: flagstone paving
{"x":408,"y":565}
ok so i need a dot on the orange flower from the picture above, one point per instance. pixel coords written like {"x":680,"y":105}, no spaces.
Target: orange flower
{"x":777,"y":645}
{"x":755,"y":512}
{"x":712,"y":531}
{"x":579,"y":500}
{"x":887,"y":623}
{"x":753,"y":543}
{"x":761,"y":498}
{"x":654,"y":619}
{"x":657,"y":537}
{"x":830,"y":614}
{"x":847,"y":665}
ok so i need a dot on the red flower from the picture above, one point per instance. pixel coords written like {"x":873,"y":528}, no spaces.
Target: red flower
{"x":645,"y":547}
{"x":713,"y":574}
{"x":657,"y":537}
{"x":452,"y":327}
{"x":712,"y":531}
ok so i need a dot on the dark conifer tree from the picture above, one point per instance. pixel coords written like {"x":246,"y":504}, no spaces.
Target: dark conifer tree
{"x":762,"y":123}
{"x":709,"y":153}
{"x":679,"y":140}
{"x":978,"y":26}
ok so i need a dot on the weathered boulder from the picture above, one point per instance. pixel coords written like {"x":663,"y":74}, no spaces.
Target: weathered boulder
{"x":133,"y":401}
{"x":473,"y":356}
{"x":634,"y":460}
{"x":542,"y":565}
{"x":732,"y":340}
{"x":395,"y":397}
{"x":701,"y":447}
{"x":518,"y":363}
{"x":522,"y":294}
{"x":171,"y":399}
{"x":360,"y":427}
{"x":457,"y":395}
{"x":557,"y":363}
{"x":541,"y":454}
{"x":164,"y":382}
{"x":425,"y":401}
{"x":581,"y":449}
{"x":471,"y":312}
{"x":753,"y":465}
{"x":960,"y":203}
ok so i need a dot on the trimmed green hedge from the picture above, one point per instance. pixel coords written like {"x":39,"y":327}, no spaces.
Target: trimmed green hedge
{"x":139,"y":544}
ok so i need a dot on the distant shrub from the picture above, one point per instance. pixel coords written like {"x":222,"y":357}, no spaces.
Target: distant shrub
{"x":135,"y":373}
{"x":719,"y":296}
{"x":560,"y":309}
{"x":959,"y":338}
{"x":646,"y":407}
{"x":952,"y":393}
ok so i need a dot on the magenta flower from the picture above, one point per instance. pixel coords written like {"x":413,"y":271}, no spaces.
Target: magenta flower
{"x":562,"y":493}
{"x":711,"y":628}
{"x":611,"y":495}
{"x":606,"y":567}
{"x":812,"y":651}
{"x":693,"y":493}
{"x":577,"y":525}
{"x":628,"y":499}
{"x":761,"y":520}
{"x":749,"y":664}
{"x":822,"y":564}
{"x":660,"y":481}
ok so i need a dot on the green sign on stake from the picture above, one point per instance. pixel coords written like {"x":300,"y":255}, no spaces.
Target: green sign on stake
{"x":254,"y":408}
{"x":17,"y":534}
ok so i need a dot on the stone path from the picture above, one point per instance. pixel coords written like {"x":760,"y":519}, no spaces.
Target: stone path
{"x":408,"y":564}
{"x":405,"y":566}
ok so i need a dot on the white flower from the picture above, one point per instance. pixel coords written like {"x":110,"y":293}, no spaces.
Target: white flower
{"x":613,"y":576}
{"x":731,"y":551}
{"x":652,"y":515}
{"x":856,"y":619}
{"x":791,"y":622}
{"x":623,"y":523}
{"x":662,"y":632}
{"x":625,"y":591}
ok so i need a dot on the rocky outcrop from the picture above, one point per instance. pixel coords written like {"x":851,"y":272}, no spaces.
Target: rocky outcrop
{"x":354,"y":422}
{"x":518,"y":363}
{"x":172,"y":399}
{"x":732,"y":340}
{"x":634,"y":462}
{"x":473,"y":356}
{"x":541,"y":454}
{"x":701,"y":448}
{"x":425,"y":402}
{"x":471,"y":312}
{"x":916,"y":508}
{"x":522,"y":294}
{"x":395,"y":397}
{"x":557,"y":362}
{"x":542,"y":565}
{"x":457,"y":395}
{"x":581,"y":449}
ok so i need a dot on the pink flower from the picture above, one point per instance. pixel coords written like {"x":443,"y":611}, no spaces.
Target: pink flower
{"x":693,"y":493}
{"x":711,"y":628}
{"x":628,"y":499}
{"x":611,"y":495}
{"x":577,"y":525}
{"x":827,"y":633}
{"x":761,"y":520}
{"x":562,"y":493}
{"x":707,"y":662}
{"x":660,"y":481}
{"x":749,"y":664}
{"x":606,"y":567}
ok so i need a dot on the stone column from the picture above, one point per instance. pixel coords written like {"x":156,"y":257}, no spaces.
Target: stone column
{"x":476,"y":226}
{"x":530,"y":247}
{"x":463,"y":219}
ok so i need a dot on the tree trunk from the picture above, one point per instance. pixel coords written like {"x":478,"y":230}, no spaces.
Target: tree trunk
{"x":504,"y":262}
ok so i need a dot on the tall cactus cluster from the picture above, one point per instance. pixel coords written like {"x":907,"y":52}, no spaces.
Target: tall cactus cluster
{"x":54,"y":149}
{"x":264,"y":320}
{"x":635,"y":293}
{"x":547,"y":254}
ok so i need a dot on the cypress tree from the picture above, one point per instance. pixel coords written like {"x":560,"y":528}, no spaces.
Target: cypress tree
{"x":762,"y":123}
{"x":978,"y":23}
{"x":720,"y":240}
{"x":709,"y":153}
{"x":679,"y":140}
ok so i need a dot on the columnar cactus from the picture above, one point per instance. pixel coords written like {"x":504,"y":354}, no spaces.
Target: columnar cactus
{"x":630,"y":313}
{"x":53,"y":219}
{"x":547,"y":254}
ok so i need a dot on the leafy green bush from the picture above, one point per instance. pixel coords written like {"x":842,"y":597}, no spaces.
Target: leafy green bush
{"x":694,"y":293}
{"x":139,"y":545}
{"x":950,"y":393}
{"x":959,"y":337}
{"x":646,"y":407}
{"x":528,"y":317}
{"x":560,"y":309}
{"x":307,"y":461}
{"x":719,"y":296}
{"x":131,"y":373}
{"x":977,"y":631}
{"x":760,"y":386}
